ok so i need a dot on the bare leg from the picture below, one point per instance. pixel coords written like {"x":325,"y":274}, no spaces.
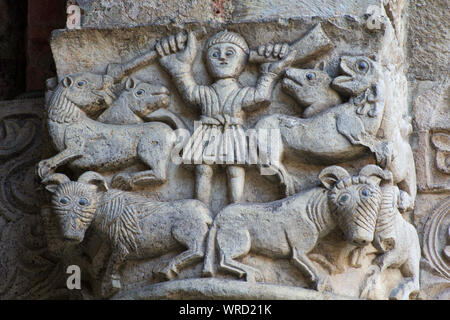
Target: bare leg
{"x":203,"y":183}
{"x":236,"y":179}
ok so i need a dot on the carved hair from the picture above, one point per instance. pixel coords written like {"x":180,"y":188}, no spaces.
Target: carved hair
{"x":385,"y":228}
{"x":228,"y":37}
{"x":61,"y":109}
{"x":119,"y":220}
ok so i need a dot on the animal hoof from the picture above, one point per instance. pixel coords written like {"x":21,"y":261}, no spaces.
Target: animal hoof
{"x":110,"y":288}
{"x":167,"y":273}
{"x":254,"y":276}
{"x":121,"y":181}
{"x":322,"y":285}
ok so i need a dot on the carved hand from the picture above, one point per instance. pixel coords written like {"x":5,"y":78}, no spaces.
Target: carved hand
{"x":177,"y":53}
{"x":278,"y":50}
{"x":279,"y":66}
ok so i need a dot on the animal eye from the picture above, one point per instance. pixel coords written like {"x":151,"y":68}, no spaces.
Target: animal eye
{"x":362,"y":65}
{"x":229,"y":53}
{"x":343,"y":199}
{"x":81,"y":83}
{"x":310,"y":76}
{"x":83,"y":202}
{"x":365,"y":192}
{"x":64,"y":200}
{"x":140,"y":92}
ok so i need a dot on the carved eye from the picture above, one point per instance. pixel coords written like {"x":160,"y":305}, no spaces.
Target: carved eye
{"x":229,"y":53}
{"x":140,"y":92}
{"x":81,"y":83}
{"x":215,"y":54}
{"x":343,"y":199}
{"x":83,"y":202}
{"x":64,"y":200}
{"x":363,"y":66}
{"x":365,"y":193}
{"x":310,"y":76}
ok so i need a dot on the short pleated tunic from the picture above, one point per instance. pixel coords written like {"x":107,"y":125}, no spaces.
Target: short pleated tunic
{"x":219,"y":136}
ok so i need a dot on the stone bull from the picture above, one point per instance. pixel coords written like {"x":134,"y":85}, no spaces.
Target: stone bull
{"x":291,"y":227}
{"x":134,"y":227}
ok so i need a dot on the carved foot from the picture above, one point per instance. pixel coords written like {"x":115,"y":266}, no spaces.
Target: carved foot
{"x":146,"y":178}
{"x":45,"y":167}
{"x":384,"y":153}
{"x":322,"y":284}
{"x":129,"y":181}
{"x":111,"y":286}
{"x":369,"y":290}
{"x":122,"y":181}
{"x":254,"y":276}
{"x":404,"y":291}
{"x":166,"y":271}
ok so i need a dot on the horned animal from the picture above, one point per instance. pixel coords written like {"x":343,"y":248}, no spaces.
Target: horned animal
{"x":133,"y":226}
{"x":398,"y":246}
{"x":291,"y":227}
{"x":85,"y":143}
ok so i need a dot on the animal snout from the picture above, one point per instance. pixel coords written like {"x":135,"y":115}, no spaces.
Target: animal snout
{"x":361,"y":239}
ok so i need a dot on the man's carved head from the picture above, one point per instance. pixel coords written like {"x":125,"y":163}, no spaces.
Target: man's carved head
{"x":226,"y":54}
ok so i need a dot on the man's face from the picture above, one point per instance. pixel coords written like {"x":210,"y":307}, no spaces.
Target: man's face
{"x":225,"y":60}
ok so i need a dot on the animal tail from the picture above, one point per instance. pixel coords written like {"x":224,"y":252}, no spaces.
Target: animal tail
{"x":168,"y":117}
{"x":208,"y":265}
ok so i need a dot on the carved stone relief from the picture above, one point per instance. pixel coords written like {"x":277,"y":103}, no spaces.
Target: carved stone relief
{"x":260,"y":159}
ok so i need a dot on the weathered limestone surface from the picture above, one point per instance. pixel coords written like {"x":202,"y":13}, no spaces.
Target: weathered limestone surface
{"x":235,"y":150}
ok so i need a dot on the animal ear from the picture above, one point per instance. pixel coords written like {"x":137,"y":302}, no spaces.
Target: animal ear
{"x":94,"y":178}
{"x":67,"y":81}
{"x":130,"y":83}
{"x":51,"y":188}
{"x":320,"y":66}
{"x":330,"y":175}
{"x":375,"y":173}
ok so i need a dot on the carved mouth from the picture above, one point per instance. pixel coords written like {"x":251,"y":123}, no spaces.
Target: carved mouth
{"x":106,"y":94}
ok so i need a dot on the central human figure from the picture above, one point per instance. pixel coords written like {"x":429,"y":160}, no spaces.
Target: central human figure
{"x":220,"y":138}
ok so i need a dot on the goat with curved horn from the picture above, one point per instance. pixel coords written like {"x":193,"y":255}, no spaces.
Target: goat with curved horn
{"x":330,"y":175}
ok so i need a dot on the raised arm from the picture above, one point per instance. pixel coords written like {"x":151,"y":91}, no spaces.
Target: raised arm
{"x":260,"y":95}
{"x":177,"y":56}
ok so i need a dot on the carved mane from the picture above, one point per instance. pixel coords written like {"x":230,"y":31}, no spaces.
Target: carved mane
{"x":118,"y":217}
{"x":317,"y":209}
{"x":61,"y":109}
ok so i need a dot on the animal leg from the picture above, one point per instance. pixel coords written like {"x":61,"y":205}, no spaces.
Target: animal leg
{"x":194,"y":241}
{"x":234,"y":244}
{"x":409,"y":286}
{"x":380,"y":263}
{"x":47,"y":166}
{"x":154,"y":151}
{"x":306,"y":266}
{"x":111,"y":279}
